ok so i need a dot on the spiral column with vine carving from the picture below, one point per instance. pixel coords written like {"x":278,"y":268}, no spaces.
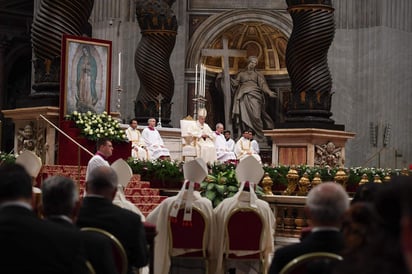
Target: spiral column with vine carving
{"x":306,"y":60}
{"x":159,"y":29}
{"x":53,"y":19}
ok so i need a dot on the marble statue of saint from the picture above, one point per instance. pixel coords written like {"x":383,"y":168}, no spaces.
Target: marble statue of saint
{"x":249,"y":100}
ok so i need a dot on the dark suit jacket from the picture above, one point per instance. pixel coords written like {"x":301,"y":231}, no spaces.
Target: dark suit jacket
{"x":325,"y":241}
{"x":98,"y":248}
{"x":31,"y":245}
{"x":122,"y":223}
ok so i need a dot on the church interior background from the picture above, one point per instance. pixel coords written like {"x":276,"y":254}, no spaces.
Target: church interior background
{"x":370,"y":62}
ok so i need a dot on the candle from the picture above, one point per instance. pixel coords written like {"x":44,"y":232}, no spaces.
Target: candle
{"x":201,"y":80}
{"x":204,"y":81}
{"x":120,"y":67}
{"x":196,"y":82}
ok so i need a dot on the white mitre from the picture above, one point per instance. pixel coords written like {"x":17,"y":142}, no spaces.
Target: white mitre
{"x":31,"y":162}
{"x":194,"y":172}
{"x":249,"y":171}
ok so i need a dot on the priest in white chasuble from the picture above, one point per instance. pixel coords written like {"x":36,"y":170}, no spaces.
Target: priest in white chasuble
{"x":205,"y":141}
{"x":243,"y":148}
{"x":188,"y":197}
{"x":249,"y":172}
{"x":139,"y":150}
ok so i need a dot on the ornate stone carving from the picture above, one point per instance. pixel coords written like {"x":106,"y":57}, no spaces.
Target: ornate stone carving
{"x":328,"y":155}
{"x":30,"y":138}
{"x":306,"y":60}
{"x":159,"y":30}
{"x":55,"y":18}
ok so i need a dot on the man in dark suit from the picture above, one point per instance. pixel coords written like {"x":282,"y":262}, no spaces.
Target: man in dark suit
{"x":60,"y":205}
{"x":97,"y":210}
{"x":325,"y":206}
{"x":27,"y":243}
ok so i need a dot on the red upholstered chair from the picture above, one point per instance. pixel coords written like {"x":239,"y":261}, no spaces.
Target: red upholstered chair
{"x":119,"y":254}
{"x":312,"y":263}
{"x":244,"y":232}
{"x":186,"y":236}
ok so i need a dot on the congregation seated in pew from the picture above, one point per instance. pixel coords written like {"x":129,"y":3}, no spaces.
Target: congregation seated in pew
{"x":325,"y":207}
{"x":97,"y":210}
{"x":30,"y":244}
{"x":60,"y":200}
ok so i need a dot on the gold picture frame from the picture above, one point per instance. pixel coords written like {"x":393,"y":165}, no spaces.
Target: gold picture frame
{"x":85,"y":75}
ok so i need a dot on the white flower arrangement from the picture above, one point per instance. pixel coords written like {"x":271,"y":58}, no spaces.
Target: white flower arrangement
{"x":95,"y":126}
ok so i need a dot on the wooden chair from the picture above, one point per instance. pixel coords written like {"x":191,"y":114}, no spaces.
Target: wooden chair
{"x":188,"y":141}
{"x":243,"y":233}
{"x":119,"y":254}
{"x":193,"y":236}
{"x":90,"y":268}
{"x":314,"y":262}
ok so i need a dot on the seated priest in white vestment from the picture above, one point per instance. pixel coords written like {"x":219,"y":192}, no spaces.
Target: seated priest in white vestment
{"x":139,"y":150}
{"x":243,"y":148}
{"x":205,"y":142}
{"x":249,"y":173}
{"x":222,"y":152}
{"x":154,"y":142}
{"x":188,"y":197}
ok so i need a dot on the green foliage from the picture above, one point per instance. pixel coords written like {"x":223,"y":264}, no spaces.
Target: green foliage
{"x":158,"y":169}
{"x":221,"y":181}
{"x":6,"y":158}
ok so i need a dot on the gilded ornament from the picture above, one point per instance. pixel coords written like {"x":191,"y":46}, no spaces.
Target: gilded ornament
{"x":364,"y":179}
{"x":341,"y":177}
{"x":267,"y":184}
{"x":292,"y":178}
{"x":377,"y":179}
{"x":316,"y":180}
{"x":304,"y":185}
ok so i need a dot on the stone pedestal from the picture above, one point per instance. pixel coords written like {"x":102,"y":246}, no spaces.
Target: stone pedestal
{"x":33,"y":133}
{"x":308,"y":146}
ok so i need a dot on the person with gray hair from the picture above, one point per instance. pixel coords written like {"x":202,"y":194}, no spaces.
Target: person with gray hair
{"x":222,"y":152}
{"x":325,"y":207}
{"x":60,"y":205}
{"x":98,"y":210}
{"x":59,"y":197}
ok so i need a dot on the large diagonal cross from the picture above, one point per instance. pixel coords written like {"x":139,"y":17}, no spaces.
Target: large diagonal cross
{"x":225,"y":53}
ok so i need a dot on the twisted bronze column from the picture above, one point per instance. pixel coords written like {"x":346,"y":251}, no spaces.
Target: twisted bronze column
{"x":159,"y":29}
{"x":306,"y":60}
{"x":53,"y":19}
